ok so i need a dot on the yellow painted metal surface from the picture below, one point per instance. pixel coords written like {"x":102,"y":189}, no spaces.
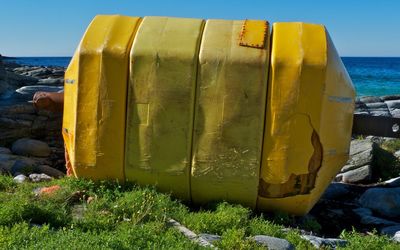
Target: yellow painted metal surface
{"x":95,"y":98}
{"x":208,"y":111}
{"x":160,"y":115}
{"x":309,"y":118}
{"x":229,"y":115}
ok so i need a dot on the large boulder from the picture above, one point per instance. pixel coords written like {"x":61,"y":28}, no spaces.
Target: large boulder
{"x":384,"y":201}
{"x":30,"y":147}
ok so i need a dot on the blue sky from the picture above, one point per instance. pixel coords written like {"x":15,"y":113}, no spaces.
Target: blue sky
{"x":54,"y":27}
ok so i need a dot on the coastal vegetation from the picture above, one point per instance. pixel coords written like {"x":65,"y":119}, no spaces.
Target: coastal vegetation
{"x":82,"y":214}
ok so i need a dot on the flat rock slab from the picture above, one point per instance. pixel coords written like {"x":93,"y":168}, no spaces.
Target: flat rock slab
{"x":361,"y":154}
{"x":384,"y":201}
{"x":361,"y":174}
{"x":273,"y":243}
{"x":324,"y":242}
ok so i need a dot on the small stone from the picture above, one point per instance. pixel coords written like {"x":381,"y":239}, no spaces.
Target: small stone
{"x":384,"y":201}
{"x":30,"y":147}
{"x":338,"y":178}
{"x":20,"y":178}
{"x":90,"y":199}
{"x":362,"y":174}
{"x":49,"y":171}
{"x":396,"y":237}
{"x":208,"y":237}
{"x":273,"y":243}
{"x":324,"y":242}
{"x":391,"y":231}
{"x":39,"y":177}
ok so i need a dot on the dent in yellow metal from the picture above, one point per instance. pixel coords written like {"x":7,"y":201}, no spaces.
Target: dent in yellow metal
{"x":297,"y":184}
{"x":229,"y":116}
{"x":95,"y":98}
{"x":162,"y":86}
{"x":305,"y":73}
{"x":254,"y":34}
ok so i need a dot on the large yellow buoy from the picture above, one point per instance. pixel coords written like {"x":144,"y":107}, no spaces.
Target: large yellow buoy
{"x":210,"y":110}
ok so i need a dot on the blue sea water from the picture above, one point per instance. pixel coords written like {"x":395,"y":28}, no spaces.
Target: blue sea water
{"x":41,"y":61}
{"x":374,"y":76}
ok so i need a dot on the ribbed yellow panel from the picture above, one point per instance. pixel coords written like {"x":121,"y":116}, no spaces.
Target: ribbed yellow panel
{"x":309,"y":118}
{"x":229,"y":115}
{"x":95,"y":98}
{"x":162,"y":88}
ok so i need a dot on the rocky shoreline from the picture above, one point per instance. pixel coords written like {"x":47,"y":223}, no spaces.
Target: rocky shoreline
{"x":22,"y":128}
{"x":31,"y":149}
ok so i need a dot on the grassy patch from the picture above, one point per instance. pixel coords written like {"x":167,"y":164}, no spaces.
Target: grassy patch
{"x":391,"y":145}
{"x":84,"y":214}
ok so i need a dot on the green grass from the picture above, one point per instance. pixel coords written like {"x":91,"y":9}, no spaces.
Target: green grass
{"x":130,"y":217}
{"x":391,"y":145}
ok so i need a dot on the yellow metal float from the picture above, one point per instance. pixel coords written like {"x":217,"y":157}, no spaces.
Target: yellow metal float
{"x":210,"y":109}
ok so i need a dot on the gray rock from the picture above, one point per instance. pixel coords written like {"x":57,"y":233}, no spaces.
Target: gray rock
{"x":51,"y":81}
{"x":4,"y":150}
{"x":39,"y":72}
{"x":370,"y":99}
{"x":396,"y":237}
{"x":272,"y":242}
{"x":20,"y":178}
{"x":39,"y":177}
{"x":49,"y":171}
{"x":391,"y":230}
{"x":397,"y":154}
{"x":336,"y":191}
{"x":378,"y":109}
{"x":31,"y":90}
{"x":361,"y":174}
{"x":390,"y":97}
{"x":338,"y":178}
{"x":324,"y":242}
{"x":395,"y":112}
{"x":210,"y":237}
{"x":361,"y":153}
{"x":394,"y":182}
{"x":384,"y":201}
{"x":22,"y":167}
{"x":30,"y":147}
{"x":367,"y":218}
{"x":8,"y":161}
{"x":393,"y":104}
